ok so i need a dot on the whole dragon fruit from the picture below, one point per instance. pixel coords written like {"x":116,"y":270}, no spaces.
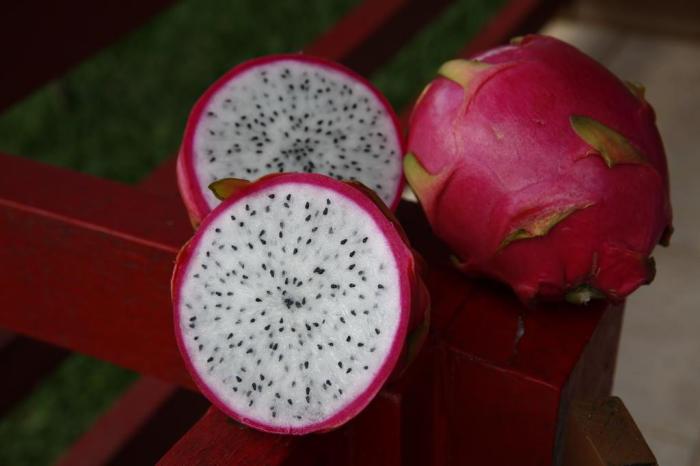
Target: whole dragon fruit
{"x":289,"y":113}
{"x":296,"y":299}
{"x":542,"y":169}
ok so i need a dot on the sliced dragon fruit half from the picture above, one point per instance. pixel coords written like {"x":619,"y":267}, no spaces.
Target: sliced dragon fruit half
{"x":290,"y":113}
{"x":292,"y":302}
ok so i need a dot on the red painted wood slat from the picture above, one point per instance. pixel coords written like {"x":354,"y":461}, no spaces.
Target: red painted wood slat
{"x":511,"y":370}
{"x":89,"y":272}
{"x":515,"y":18}
{"x":112,"y":253}
{"x":370,"y":26}
{"x":39,"y":41}
{"x":139,"y":427}
{"x":162,"y":430}
{"x":373,"y":31}
{"x":129,"y":237}
{"x":371,"y":439}
{"x":106,"y":436}
{"x":215,"y":439}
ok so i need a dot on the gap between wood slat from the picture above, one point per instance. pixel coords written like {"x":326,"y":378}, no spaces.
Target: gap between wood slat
{"x":39,"y":41}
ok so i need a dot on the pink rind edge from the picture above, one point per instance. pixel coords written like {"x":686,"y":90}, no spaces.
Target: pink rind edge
{"x":402,"y":257}
{"x":194,"y":200}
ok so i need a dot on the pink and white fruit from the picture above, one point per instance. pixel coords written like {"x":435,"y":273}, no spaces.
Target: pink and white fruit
{"x":289,"y":113}
{"x":292,"y":302}
{"x":542,"y":169}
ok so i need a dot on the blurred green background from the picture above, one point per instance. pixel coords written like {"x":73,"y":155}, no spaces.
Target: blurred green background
{"x":120,"y":113}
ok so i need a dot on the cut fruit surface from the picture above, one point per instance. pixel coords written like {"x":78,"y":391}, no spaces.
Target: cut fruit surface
{"x":292,"y":301}
{"x":290,"y":113}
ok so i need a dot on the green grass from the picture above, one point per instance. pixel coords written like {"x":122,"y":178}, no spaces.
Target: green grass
{"x":414,"y":66}
{"x":122,"y":112}
{"x":36,"y":431}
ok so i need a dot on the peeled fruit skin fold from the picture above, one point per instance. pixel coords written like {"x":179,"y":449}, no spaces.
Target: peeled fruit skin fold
{"x":540,"y":168}
{"x":262,"y":220}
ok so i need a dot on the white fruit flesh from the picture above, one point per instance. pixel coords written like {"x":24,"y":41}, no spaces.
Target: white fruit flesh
{"x":297,"y":116}
{"x":290,"y":304}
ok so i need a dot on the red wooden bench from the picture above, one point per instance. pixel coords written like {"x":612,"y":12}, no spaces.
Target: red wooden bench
{"x":85,"y":265}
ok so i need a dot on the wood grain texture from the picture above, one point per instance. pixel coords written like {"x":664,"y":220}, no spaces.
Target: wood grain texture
{"x":216,"y":439}
{"x":86,"y":265}
{"x":602,"y":433}
{"x":504,"y":374}
{"x":111,"y":256}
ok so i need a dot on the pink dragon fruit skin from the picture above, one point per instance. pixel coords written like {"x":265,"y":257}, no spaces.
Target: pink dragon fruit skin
{"x":540,"y":168}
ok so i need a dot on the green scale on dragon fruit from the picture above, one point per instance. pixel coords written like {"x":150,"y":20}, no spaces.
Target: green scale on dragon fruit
{"x":542,"y":169}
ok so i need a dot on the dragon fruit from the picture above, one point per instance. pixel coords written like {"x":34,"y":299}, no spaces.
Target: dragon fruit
{"x":293,"y":300}
{"x":540,"y":168}
{"x":289,"y":113}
